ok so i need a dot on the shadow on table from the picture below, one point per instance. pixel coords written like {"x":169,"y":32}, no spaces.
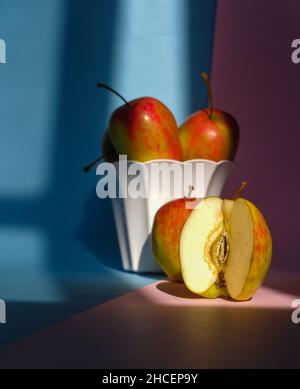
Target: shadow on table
{"x":118,"y":336}
{"x":176,"y":289}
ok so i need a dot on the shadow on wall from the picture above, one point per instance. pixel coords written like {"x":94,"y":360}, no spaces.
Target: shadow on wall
{"x":96,"y":231}
{"x":255,"y":79}
{"x":201,"y":18}
{"x":81,"y":119}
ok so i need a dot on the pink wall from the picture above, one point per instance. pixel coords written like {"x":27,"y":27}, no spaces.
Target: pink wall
{"x":255,"y":79}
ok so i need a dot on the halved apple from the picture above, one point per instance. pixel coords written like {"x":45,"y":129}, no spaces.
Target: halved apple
{"x":225,"y":249}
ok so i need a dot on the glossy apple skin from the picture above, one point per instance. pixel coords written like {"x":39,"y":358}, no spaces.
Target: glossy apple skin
{"x":262,"y":254}
{"x":108,"y":151}
{"x":168,"y":223}
{"x":215,"y":139}
{"x":145,"y":130}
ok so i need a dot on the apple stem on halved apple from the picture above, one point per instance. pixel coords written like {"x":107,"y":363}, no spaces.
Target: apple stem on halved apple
{"x":240,"y":190}
{"x":104,"y":86}
{"x":206,"y":79}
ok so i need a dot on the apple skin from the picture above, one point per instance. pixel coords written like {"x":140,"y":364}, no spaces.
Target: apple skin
{"x":168,"y":223}
{"x":214,"y":138}
{"x":262,"y":254}
{"x":109,"y":153}
{"x":145,"y":129}
{"x":215,"y":291}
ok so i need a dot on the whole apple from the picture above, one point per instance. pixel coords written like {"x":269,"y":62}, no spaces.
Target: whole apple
{"x":209,"y":134}
{"x":166,"y":231}
{"x":144,"y":129}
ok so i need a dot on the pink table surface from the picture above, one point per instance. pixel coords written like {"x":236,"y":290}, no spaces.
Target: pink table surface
{"x":163,"y":325}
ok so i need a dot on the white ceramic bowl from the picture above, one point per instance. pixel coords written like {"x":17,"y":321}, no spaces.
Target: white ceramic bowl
{"x":134,"y":217}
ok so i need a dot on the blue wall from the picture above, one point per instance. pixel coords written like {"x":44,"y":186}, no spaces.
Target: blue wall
{"x":58,"y":247}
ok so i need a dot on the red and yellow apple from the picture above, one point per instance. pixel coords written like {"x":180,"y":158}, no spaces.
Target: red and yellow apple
{"x":143,"y":129}
{"x":209,"y":134}
{"x":167,"y":227}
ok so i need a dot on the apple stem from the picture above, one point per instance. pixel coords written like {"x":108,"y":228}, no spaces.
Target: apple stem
{"x":191,"y":188}
{"x":100,"y":85}
{"x":92,"y":164}
{"x":240,"y":190}
{"x":209,"y":93}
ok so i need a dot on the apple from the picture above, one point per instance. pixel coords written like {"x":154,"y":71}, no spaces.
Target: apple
{"x":144,"y":129}
{"x":225,"y":248}
{"x":209,"y":134}
{"x":167,"y":226}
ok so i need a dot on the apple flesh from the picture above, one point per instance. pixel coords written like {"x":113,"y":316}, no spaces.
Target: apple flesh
{"x":225,"y":249}
{"x":166,"y":230}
